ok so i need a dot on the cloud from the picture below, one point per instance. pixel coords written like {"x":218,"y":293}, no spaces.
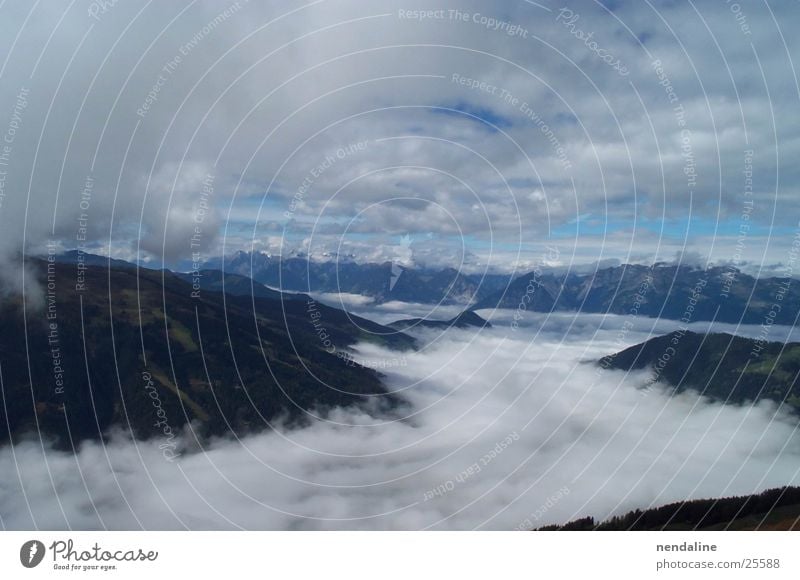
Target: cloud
{"x":499,"y":423}
{"x":261,"y":94}
{"x":388,"y":312}
{"x":186,"y":219}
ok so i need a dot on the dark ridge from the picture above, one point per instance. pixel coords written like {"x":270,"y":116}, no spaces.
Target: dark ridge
{"x":466,"y":319}
{"x":225,"y":363}
{"x":726,"y":368}
{"x":773,"y":509}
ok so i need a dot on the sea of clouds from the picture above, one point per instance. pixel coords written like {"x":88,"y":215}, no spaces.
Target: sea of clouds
{"x":503,"y":430}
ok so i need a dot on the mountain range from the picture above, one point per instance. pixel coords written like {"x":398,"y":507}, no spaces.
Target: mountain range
{"x":668,"y":291}
{"x":382,"y":282}
{"x":104,"y":344}
{"x":149,"y":349}
{"x":674,"y":292}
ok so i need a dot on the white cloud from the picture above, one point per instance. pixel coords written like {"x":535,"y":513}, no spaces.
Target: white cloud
{"x":272,"y":89}
{"x":557,"y":425}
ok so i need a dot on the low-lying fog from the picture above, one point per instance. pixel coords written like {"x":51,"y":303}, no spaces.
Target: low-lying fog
{"x":505,"y":429}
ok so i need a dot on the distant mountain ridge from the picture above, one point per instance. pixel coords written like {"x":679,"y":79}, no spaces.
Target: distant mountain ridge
{"x":670,"y":291}
{"x":667,"y":291}
{"x":466,"y":319}
{"x":383,"y":282}
{"x":674,"y":292}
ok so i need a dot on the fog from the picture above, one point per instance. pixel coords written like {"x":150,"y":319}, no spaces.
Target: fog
{"x":505,"y":429}
{"x":387,"y":312}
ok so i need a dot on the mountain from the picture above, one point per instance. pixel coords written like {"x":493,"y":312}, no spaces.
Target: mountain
{"x":464,"y":320}
{"x":76,"y":256}
{"x":235,"y":285}
{"x":383,"y":282}
{"x":774,"y":509}
{"x":146,"y":350}
{"x":726,"y":368}
{"x":673,"y":292}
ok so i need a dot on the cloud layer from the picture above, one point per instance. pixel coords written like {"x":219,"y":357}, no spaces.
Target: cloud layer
{"x":505,"y":429}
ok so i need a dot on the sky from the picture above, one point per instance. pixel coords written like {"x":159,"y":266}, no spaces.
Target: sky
{"x":501,"y":430}
{"x":475,"y":133}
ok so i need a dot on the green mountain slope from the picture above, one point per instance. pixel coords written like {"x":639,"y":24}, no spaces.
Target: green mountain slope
{"x":727,"y":368}
{"x":145,"y":350}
